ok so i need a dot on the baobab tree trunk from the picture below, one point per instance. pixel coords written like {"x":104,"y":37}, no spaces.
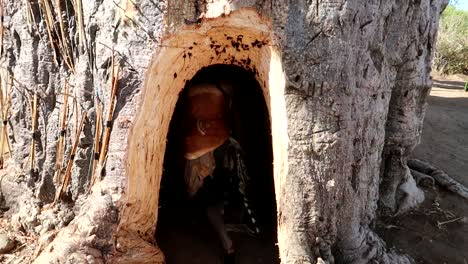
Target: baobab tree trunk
{"x":345,"y":83}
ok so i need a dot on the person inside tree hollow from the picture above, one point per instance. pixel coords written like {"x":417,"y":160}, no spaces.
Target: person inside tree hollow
{"x":213,"y":159}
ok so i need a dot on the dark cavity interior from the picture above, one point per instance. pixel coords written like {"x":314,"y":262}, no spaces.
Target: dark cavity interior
{"x":183,"y":231}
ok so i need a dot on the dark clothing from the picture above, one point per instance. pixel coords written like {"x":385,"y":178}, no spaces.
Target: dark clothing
{"x":223,"y":184}
{"x":227,"y":185}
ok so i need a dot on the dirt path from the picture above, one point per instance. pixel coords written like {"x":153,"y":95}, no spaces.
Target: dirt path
{"x":444,"y":142}
{"x":437,"y":232}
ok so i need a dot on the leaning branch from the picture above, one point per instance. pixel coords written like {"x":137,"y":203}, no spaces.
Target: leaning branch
{"x":439,"y":176}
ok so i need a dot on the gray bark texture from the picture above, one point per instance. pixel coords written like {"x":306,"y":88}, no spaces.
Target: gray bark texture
{"x":357,"y":77}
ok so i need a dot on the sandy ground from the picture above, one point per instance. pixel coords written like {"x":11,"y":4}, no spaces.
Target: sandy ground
{"x":26,"y":245}
{"x":437,"y":232}
{"x":444,"y":142}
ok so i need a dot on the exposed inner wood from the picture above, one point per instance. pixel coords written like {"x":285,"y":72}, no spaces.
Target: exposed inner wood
{"x":243,"y":38}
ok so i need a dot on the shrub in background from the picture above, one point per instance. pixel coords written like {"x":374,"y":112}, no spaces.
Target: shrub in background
{"x":451,"y":54}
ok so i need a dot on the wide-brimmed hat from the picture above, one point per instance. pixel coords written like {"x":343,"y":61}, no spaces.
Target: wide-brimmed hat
{"x":207,"y":126}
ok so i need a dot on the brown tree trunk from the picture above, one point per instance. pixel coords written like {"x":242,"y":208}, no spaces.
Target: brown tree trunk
{"x":345,"y":83}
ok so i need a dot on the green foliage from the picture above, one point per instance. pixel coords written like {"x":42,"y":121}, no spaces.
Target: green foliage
{"x":451,"y":54}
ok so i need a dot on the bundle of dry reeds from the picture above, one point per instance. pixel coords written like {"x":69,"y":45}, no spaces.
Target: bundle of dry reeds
{"x":97,"y":141}
{"x":99,"y":164}
{"x":63,"y":131}
{"x":78,"y":6}
{"x":5,"y":103}
{"x":29,"y":15}
{"x":33,"y":107}
{"x":71,"y":159}
{"x":58,"y":37}
{"x":1,"y":26}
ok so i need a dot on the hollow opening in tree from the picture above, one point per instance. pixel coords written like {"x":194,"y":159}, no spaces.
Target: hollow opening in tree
{"x":177,"y":61}
{"x":184,"y":231}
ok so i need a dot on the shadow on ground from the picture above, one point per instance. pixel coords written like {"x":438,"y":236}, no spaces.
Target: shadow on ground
{"x":449,"y":84}
{"x":444,"y":141}
{"x":427,"y":234}
{"x":437,"y":231}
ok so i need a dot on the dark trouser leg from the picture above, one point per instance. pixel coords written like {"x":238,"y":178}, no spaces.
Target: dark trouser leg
{"x":215,"y":215}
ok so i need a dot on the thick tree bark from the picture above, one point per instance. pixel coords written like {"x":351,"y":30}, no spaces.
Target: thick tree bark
{"x":345,"y":83}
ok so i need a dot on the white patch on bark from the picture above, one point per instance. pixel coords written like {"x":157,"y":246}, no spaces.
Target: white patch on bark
{"x":412,"y":195}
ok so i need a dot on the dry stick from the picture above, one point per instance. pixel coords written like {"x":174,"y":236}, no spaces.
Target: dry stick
{"x":66,"y":178}
{"x":1,"y":27}
{"x":2,"y":142}
{"x":33,"y":132}
{"x":5,"y":122}
{"x":49,"y":22}
{"x":5,"y":107}
{"x":66,"y":52}
{"x":79,"y":16}
{"x":107,"y":130}
{"x":133,"y":20}
{"x":83,"y":42}
{"x":439,"y":176}
{"x":77,"y":126}
{"x":96,"y":147}
{"x":71,"y":42}
{"x":60,"y":144}
{"x":50,"y":25}
{"x":75,"y":107}
{"x":7,"y":111}
{"x":440,"y":224}
{"x":29,"y":15}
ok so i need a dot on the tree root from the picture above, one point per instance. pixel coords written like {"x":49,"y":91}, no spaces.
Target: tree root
{"x":423,"y":170}
{"x":423,"y":179}
{"x":370,"y":248}
{"x":86,"y":237}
